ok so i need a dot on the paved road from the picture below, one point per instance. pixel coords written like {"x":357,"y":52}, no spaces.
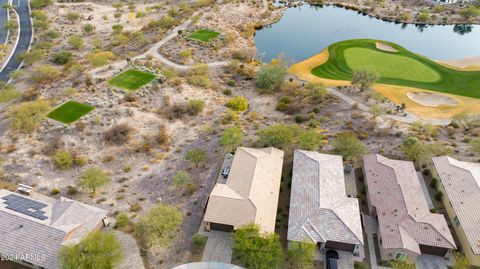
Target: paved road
{"x":23,"y":9}
{"x":3,"y":19}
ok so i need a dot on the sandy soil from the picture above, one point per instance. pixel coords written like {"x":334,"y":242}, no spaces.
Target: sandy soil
{"x":385,"y":47}
{"x":431,"y":99}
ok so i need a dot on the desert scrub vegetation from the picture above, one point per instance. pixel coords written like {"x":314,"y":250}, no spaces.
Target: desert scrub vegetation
{"x":270,"y":77}
{"x":288,"y":136}
{"x":200,"y":76}
{"x":237,"y":103}
{"x":295,"y":98}
{"x":92,"y":179}
{"x":118,"y":134}
{"x":195,"y":107}
{"x":348,"y":145}
{"x":231,"y":138}
{"x":26,"y":116}
{"x":9,"y":93}
{"x":196,"y":156}
{"x":159,"y":225}
{"x":181,"y":179}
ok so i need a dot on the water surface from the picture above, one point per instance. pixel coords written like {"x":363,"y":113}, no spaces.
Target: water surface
{"x":306,"y":30}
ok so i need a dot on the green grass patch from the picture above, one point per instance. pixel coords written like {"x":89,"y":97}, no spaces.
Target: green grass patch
{"x":204,"y":35}
{"x":70,"y":112}
{"x":131,"y":79}
{"x":403,"y":68}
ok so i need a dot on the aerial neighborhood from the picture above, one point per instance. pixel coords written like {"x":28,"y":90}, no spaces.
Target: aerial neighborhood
{"x":239,"y":134}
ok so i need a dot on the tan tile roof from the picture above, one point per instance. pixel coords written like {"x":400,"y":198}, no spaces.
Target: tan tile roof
{"x":319,"y":207}
{"x":67,"y":222}
{"x":405,"y":220}
{"x":251,"y":191}
{"x":461,"y":181}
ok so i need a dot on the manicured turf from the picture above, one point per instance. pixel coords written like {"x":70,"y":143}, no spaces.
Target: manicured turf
{"x":131,"y":79}
{"x":70,"y":112}
{"x":402,"y":68}
{"x":204,"y":35}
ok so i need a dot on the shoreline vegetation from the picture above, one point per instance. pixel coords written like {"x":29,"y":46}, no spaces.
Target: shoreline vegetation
{"x":419,"y":13}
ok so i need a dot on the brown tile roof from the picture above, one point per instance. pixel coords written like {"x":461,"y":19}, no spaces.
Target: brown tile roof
{"x":461,"y":181}
{"x":319,"y":207}
{"x":251,"y":191}
{"x":405,"y":220}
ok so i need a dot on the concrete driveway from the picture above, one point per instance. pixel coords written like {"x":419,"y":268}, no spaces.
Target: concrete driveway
{"x":218,"y":247}
{"x":425,"y":261}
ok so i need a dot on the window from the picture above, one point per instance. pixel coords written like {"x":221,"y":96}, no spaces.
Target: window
{"x":400,"y":256}
{"x":456,"y":221}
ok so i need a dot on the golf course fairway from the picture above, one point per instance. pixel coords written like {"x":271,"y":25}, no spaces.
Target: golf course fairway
{"x":396,"y":66}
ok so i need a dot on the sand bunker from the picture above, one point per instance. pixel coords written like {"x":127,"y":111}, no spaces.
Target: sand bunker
{"x":471,"y":63}
{"x":431,"y":99}
{"x":385,"y":47}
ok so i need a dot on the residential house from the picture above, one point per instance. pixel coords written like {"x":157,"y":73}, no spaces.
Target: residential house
{"x":34,"y":229}
{"x":406,"y":228}
{"x":250,"y":194}
{"x":459,"y":182}
{"x":320,"y":211}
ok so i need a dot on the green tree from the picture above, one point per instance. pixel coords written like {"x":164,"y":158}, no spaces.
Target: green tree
{"x":34,"y":4}
{"x":364,"y":78}
{"x":255,"y":250}
{"x":460,"y":261}
{"x":159,"y":225}
{"x":414,"y":150}
{"x":301,"y":255}
{"x":92,"y":179}
{"x":196,"y":156}
{"x":76,"y":42}
{"x":375,"y":112}
{"x":63,"y":159}
{"x":279,"y":135}
{"x":141,"y":15}
{"x":27,"y":116}
{"x":181,"y":178}
{"x":97,"y":250}
{"x":401,"y":265}
{"x":467,"y":120}
{"x":309,"y":140}
{"x":72,"y":16}
{"x":270,"y":77}
{"x":231,"y":138}
{"x":347,"y":145}
{"x":237,"y":103}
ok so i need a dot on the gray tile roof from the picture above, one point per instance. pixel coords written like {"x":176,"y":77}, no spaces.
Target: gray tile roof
{"x":461,"y":181}
{"x":405,"y":221}
{"x":68,"y":222}
{"x":319,"y":208}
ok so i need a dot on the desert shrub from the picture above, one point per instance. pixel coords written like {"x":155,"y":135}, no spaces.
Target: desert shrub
{"x":199,"y":239}
{"x":118,"y":134}
{"x":237,"y":103}
{"x":44,"y":74}
{"x":200,"y":76}
{"x":135,"y":207}
{"x":121,"y":220}
{"x":62,"y":57}
{"x":92,"y":179}
{"x":195,"y":106}
{"x":181,"y":178}
{"x":159,"y":225}
{"x":54,"y":191}
{"x":27,"y":116}
{"x":270,"y":77}
{"x":100,"y":58}
{"x":9,"y":94}
{"x":63,"y":159}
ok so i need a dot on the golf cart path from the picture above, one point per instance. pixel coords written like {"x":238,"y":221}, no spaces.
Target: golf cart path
{"x":102,"y":72}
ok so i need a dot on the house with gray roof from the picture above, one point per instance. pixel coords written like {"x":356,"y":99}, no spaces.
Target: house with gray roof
{"x":406,"y":227}
{"x":34,"y":228}
{"x":459,"y":182}
{"x":320,"y":211}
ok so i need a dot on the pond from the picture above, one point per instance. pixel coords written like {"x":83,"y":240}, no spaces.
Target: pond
{"x":306,"y":30}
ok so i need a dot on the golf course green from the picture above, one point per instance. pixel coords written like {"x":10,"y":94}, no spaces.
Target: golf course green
{"x":131,"y":79}
{"x":204,"y":35}
{"x":396,"y":66}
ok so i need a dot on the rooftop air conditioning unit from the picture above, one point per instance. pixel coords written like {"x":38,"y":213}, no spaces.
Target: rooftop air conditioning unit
{"x":24,"y":189}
